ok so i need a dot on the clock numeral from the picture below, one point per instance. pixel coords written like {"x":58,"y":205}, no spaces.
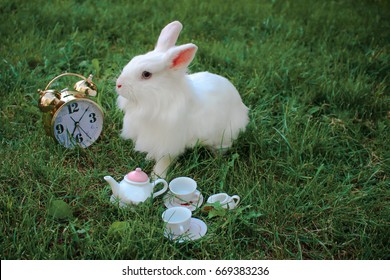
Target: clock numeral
{"x":93,"y":118}
{"x":79,"y":138}
{"x":60,"y":128}
{"x":74,"y":107}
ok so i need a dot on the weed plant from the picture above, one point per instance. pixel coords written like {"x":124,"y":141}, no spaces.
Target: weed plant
{"x":312,"y":168}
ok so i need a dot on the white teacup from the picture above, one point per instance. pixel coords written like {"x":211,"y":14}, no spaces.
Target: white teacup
{"x":177,"y":220}
{"x":229,"y":202}
{"x":184,"y":188}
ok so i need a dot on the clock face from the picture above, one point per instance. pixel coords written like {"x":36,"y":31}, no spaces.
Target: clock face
{"x":77,"y":122}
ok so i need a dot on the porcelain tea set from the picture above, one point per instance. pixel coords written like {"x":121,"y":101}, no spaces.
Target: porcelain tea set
{"x":181,"y":198}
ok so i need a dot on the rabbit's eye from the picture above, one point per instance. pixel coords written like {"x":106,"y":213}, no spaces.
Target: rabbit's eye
{"x":146,"y":75}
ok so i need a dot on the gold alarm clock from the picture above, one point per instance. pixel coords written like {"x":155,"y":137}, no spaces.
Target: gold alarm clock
{"x":70,"y":116}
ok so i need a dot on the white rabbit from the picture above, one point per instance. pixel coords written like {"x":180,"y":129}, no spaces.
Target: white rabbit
{"x":167,"y":110}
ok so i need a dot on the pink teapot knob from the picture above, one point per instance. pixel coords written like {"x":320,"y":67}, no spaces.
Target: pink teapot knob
{"x":137,"y":176}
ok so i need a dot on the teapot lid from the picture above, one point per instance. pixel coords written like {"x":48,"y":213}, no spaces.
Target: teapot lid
{"x":137,"y":176}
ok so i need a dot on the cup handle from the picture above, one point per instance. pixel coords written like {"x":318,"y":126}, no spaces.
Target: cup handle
{"x":236,"y":199}
{"x":165,"y":187}
{"x":197,"y":194}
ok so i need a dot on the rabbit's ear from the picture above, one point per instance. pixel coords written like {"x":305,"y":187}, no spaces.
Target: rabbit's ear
{"x":168,"y":36}
{"x":181,"y":56}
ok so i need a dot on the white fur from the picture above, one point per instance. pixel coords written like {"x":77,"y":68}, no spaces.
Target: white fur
{"x":173,"y":110}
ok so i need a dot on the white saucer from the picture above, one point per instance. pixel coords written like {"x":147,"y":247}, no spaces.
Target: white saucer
{"x":116,"y":200}
{"x":170,"y":200}
{"x":197,"y":230}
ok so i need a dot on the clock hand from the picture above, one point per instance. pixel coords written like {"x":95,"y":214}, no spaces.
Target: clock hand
{"x":76,"y":124}
{"x":84,"y":132}
{"x":83,"y":113}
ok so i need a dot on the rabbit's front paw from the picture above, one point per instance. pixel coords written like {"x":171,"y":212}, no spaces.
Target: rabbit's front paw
{"x":160,"y":169}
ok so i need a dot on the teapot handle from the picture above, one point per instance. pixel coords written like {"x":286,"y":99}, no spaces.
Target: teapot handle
{"x":163,"y":189}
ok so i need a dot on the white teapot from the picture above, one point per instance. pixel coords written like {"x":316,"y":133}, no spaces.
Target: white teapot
{"x":134,"y":188}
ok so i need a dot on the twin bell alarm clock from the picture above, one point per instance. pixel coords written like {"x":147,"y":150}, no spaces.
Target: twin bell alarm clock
{"x":70,"y":116}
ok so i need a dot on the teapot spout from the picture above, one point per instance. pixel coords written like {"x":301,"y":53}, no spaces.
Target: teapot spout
{"x":114,"y":185}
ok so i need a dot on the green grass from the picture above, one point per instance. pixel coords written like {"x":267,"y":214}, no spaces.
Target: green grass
{"x":312,"y":169}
